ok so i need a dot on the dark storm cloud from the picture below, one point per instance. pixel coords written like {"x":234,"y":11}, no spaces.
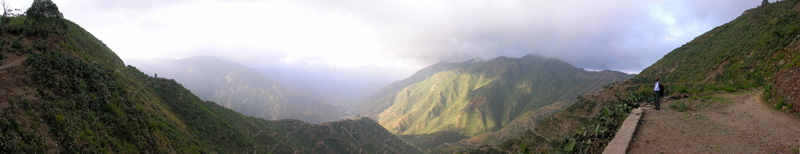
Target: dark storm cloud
{"x":626,"y":35}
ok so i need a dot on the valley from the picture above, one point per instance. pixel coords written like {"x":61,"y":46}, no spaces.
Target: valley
{"x":241,"y":89}
{"x":733,"y":89}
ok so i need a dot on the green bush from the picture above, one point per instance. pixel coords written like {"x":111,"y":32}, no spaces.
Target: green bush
{"x":728,"y":88}
{"x":42,"y":19}
{"x":17,"y":43}
{"x":767,"y":92}
{"x":595,"y":134}
{"x":41,"y":45}
{"x":17,"y":25}
{"x":781,"y":103}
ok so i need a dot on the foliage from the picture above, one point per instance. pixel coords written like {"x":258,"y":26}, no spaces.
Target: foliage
{"x":476,"y":98}
{"x":87,"y":102}
{"x":16,"y":25}
{"x":44,"y":10}
{"x":41,"y":45}
{"x":83,"y":43}
{"x":782,"y":104}
{"x":240,"y":88}
{"x":17,"y":43}
{"x":42,"y":19}
{"x":594,"y":135}
{"x":737,"y":55}
{"x":430,"y":141}
{"x":740,"y":54}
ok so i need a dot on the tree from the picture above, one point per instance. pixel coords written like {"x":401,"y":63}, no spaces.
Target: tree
{"x":43,"y":9}
{"x":45,"y":19}
{"x":5,"y":7}
{"x":4,"y":18}
{"x":765,"y":2}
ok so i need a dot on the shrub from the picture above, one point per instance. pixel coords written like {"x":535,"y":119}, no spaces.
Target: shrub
{"x":595,"y":134}
{"x":780,"y":104}
{"x":41,"y":45}
{"x":17,"y":43}
{"x":729,"y":88}
{"x":16,"y":25}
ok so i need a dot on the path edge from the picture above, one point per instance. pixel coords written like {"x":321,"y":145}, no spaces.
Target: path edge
{"x":622,"y":140}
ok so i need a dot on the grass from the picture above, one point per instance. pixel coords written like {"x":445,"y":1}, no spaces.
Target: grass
{"x":740,"y":54}
{"x":680,"y":106}
{"x":87,"y":102}
{"x":696,"y":116}
{"x":507,"y":87}
{"x":718,"y":99}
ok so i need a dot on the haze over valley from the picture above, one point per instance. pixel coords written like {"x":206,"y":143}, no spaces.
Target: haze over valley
{"x":398,"y":76}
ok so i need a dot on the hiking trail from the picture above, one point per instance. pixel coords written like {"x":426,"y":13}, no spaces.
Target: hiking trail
{"x":16,"y":62}
{"x":718,"y":123}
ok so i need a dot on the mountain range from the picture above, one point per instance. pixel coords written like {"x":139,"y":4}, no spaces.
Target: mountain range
{"x":757,"y":49}
{"x":64,"y":91}
{"x":496,"y":99}
{"x":240,"y":88}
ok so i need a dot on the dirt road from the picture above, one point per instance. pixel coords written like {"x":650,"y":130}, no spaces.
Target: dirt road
{"x":721,"y":123}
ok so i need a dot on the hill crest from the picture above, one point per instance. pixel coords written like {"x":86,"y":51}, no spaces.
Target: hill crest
{"x":73,"y":95}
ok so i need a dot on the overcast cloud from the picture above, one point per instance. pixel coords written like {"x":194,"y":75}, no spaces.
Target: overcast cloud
{"x":625,"y":35}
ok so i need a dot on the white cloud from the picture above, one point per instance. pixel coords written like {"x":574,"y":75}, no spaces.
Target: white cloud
{"x":625,"y":35}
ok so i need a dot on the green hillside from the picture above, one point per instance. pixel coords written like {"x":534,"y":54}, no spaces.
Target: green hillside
{"x":758,"y":49}
{"x":740,"y":54}
{"x":240,"y":88}
{"x":475,"y":97}
{"x":378,"y":101}
{"x":64,"y":91}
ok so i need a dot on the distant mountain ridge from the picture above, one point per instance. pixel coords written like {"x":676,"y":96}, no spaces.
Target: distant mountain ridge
{"x":757,"y":49}
{"x":64,"y":91}
{"x":477,"y":97}
{"x":240,"y":88}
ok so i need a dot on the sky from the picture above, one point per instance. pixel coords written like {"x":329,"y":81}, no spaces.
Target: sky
{"x":402,"y":35}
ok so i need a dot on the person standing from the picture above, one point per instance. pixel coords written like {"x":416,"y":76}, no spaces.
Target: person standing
{"x":658,"y":91}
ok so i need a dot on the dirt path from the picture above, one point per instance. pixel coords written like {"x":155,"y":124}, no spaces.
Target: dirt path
{"x":12,"y":79}
{"x":722,"y":123}
{"x":13,"y":63}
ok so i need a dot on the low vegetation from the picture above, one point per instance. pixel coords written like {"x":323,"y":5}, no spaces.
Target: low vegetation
{"x":680,"y":106}
{"x":480,"y":97}
{"x":241,"y":89}
{"x":758,"y":49}
{"x":590,"y":137}
{"x":75,"y":96}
